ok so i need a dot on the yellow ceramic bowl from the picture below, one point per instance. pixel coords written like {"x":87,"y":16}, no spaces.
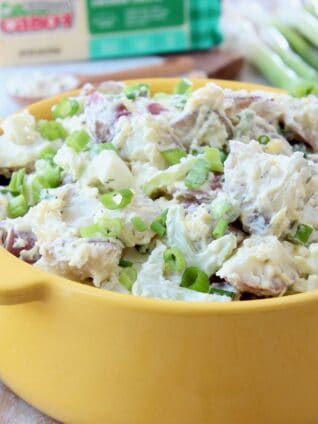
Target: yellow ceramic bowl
{"x":84,"y":355}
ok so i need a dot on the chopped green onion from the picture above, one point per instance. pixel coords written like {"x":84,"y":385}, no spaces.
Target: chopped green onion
{"x":17,"y":206}
{"x":174,"y":261}
{"x":305,"y":89}
{"x":127,"y":277}
{"x":123,"y":263}
{"x":51,"y":130}
{"x":195,"y":279}
{"x":66,"y":108}
{"x":38,"y":184}
{"x":137,"y":90}
{"x":198,"y":174}
{"x":173,"y":156}
{"x":184,"y":86}
{"x":220,"y":228}
{"x":220,"y":208}
{"x":78,"y":140}
{"x":17,"y":182}
{"x":117,"y":199}
{"x":104,"y":228}
{"x":158,"y":226}
{"x":138,"y":224}
{"x":48,"y":152}
{"x":51,"y":174}
{"x":221,"y":292}
{"x":214,"y":159}
{"x":303,"y":233}
{"x":263,"y":139}
{"x":98,"y":148}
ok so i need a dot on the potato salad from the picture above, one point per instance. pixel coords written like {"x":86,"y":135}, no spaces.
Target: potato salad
{"x":206,"y":195}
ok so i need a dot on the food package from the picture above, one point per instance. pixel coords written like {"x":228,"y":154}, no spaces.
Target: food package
{"x":34,"y":31}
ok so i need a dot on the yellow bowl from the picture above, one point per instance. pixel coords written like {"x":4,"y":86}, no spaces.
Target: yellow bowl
{"x":84,"y":355}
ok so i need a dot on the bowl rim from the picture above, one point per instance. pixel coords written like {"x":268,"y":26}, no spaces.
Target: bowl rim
{"x":155,"y":305}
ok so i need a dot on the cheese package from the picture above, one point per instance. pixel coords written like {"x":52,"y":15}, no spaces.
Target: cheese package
{"x":33,"y":31}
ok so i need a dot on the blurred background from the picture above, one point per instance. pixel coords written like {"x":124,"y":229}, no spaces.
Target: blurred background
{"x":52,"y":46}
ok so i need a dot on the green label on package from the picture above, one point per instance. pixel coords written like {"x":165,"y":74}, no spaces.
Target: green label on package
{"x":130,"y":15}
{"x":137,"y":27}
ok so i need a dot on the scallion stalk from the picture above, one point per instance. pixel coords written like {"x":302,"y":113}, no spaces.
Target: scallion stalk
{"x":66,"y":108}
{"x":117,"y":199}
{"x":195,"y":279}
{"x":173,"y":156}
{"x":78,"y":140}
{"x":174,"y":260}
{"x":127,"y":277}
{"x":17,"y":206}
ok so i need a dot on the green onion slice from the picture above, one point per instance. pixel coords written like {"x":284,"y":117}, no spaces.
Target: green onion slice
{"x":78,"y":140}
{"x":173,"y":156}
{"x":66,"y":108}
{"x":263,"y":139}
{"x":184,"y":86}
{"x":303,"y":233}
{"x":198,"y":174}
{"x":17,"y":182}
{"x":123,"y":263}
{"x":213,"y":158}
{"x":48,"y":152}
{"x":137,"y":90}
{"x":51,"y":130}
{"x":158,"y":226}
{"x":17,"y":206}
{"x":117,"y":199}
{"x":98,"y":148}
{"x":127,"y":277}
{"x":195,"y":279}
{"x":174,"y":261}
{"x":221,"y":292}
{"x":220,"y":228}
{"x":138,"y":224}
{"x":104,"y":228}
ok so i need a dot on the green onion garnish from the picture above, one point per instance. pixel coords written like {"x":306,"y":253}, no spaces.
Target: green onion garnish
{"x":17,"y":182}
{"x":158,"y":226}
{"x":97,"y":148}
{"x":117,"y":199}
{"x":104,"y":228}
{"x":220,"y":228}
{"x":303,"y":233}
{"x":137,"y":90}
{"x":195,"y":279}
{"x":184,"y":86}
{"x":221,"y":292}
{"x":48,"y":152}
{"x":78,"y":140}
{"x":51,"y":130}
{"x":38,"y":184}
{"x":51,"y":174}
{"x":263,"y":139}
{"x":173,"y":156}
{"x":17,"y":206}
{"x":174,"y":261}
{"x":214,"y":159}
{"x":138,"y":224}
{"x":127,"y":277}
{"x":123,"y":263}
{"x":198,"y":174}
{"x":219,"y":209}
{"x":66,"y":108}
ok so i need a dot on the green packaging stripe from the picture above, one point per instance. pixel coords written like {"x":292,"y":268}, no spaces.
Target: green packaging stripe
{"x":134,"y":27}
